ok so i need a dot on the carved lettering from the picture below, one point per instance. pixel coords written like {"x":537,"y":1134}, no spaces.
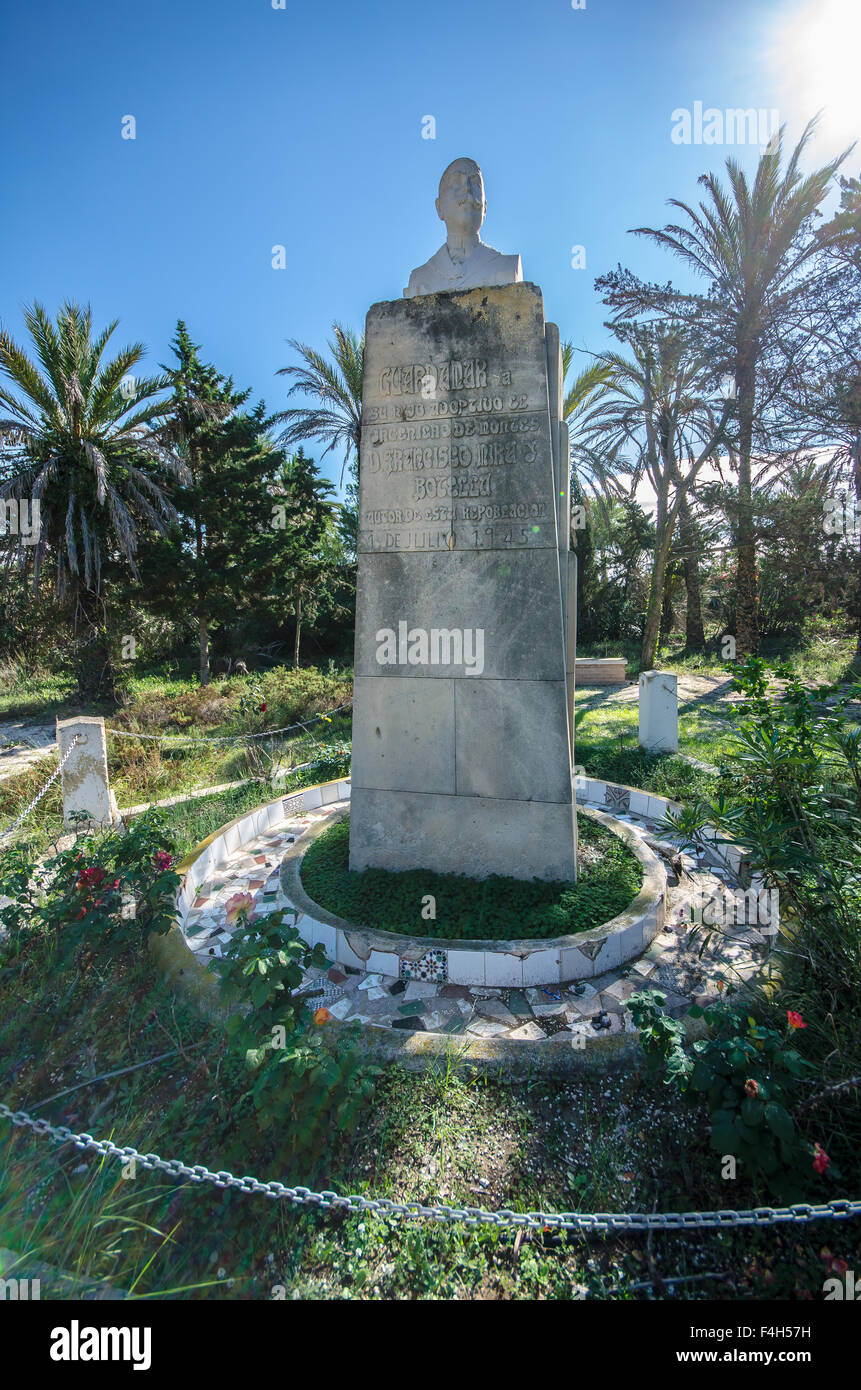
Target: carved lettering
{"x":429,"y":377}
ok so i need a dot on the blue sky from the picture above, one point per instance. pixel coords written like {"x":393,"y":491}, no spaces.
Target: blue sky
{"x":302,"y":126}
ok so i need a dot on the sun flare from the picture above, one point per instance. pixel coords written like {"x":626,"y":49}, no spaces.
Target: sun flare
{"x":819,"y":57}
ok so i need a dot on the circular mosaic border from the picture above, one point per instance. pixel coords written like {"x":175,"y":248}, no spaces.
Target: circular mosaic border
{"x":556,"y":1028}
{"x":506,"y":964}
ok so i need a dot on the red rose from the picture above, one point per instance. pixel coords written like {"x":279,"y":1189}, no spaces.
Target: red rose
{"x":821,"y":1161}
{"x":93,"y":877}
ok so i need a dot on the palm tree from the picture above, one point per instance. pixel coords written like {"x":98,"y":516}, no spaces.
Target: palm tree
{"x":588,"y":385}
{"x":829,"y":400}
{"x":756,"y":246}
{"x":588,"y":473}
{"x":336,"y":384}
{"x":83,"y":449}
{"x":654,"y":420}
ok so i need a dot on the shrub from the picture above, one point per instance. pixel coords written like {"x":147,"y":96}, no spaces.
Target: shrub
{"x":792,"y":800}
{"x":109,"y":891}
{"x":748,"y":1077}
{"x":298,"y":1081}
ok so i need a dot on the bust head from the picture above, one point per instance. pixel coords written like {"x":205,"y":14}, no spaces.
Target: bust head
{"x":461,"y":203}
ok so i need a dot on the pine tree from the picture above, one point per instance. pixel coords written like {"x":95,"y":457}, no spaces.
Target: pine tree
{"x":223,"y":551}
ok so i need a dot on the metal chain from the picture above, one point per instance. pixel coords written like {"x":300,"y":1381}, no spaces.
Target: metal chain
{"x":840,"y":1209}
{"x":38,"y":797}
{"x":227,"y":738}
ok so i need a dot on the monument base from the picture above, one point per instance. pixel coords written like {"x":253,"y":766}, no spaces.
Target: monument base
{"x":476,"y":836}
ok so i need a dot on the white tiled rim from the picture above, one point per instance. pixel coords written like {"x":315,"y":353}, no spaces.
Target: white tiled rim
{"x":504,"y":964}
{"x":284,"y":825}
{"x":514,"y":1003}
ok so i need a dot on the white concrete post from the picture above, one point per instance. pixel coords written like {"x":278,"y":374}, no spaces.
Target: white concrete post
{"x":85,"y":775}
{"x":659,"y":712}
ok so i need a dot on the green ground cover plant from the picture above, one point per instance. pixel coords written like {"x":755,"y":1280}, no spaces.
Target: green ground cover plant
{"x":495,"y":908}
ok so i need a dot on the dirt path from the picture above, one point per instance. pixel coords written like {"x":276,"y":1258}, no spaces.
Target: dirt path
{"x":693,"y":689}
{"x":23,"y":744}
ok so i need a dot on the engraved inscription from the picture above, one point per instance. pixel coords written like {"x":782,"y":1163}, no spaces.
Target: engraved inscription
{"x":455,"y":450}
{"x":429,"y":377}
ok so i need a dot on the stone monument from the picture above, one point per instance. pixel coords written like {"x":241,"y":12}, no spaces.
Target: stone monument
{"x":462,"y":716}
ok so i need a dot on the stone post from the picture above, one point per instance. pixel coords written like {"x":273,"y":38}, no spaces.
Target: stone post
{"x":659,"y":712}
{"x":85,"y":775}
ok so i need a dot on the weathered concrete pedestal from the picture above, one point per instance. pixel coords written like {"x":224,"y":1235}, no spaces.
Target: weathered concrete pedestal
{"x":659,"y":712}
{"x":462,"y":727}
{"x":86,"y":790}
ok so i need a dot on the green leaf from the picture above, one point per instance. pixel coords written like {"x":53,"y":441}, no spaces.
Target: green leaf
{"x":779,"y":1121}
{"x":752,"y":1112}
{"x":744,"y":1132}
{"x":723,"y":1139}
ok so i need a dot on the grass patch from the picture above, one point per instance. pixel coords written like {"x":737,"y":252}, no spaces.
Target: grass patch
{"x":705,"y":730}
{"x":148,"y":770}
{"x":187,"y":823}
{"x":665,"y":774}
{"x":496,"y":908}
{"x":817,"y":655}
{"x":603,"y":1143}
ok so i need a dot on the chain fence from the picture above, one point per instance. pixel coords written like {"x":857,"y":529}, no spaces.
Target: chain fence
{"x":227,"y":738}
{"x":185,"y":739}
{"x":284,"y":773}
{"x":588,"y":1222}
{"x":10,"y":830}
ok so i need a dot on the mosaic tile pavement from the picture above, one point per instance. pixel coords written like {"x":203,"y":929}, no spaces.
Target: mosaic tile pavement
{"x":687,"y":965}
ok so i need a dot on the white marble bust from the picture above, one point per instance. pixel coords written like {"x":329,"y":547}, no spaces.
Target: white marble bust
{"x":464,"y":261}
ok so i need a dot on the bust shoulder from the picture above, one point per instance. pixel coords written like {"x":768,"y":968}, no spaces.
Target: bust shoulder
{"x":425,"y":279}
{"x":506,"y":270}
{"x":483,"y":266}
